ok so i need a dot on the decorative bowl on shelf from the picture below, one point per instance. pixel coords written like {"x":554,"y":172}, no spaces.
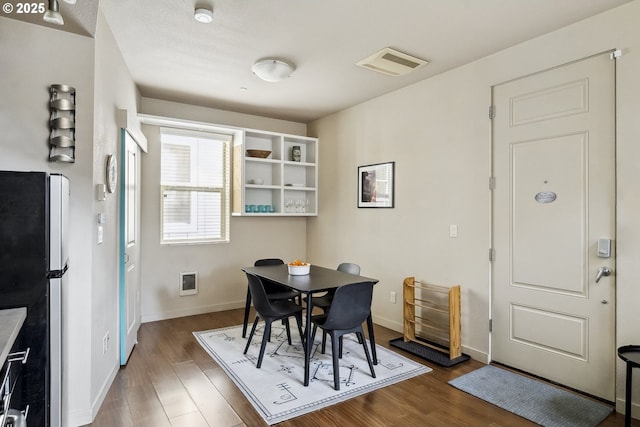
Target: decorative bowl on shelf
{"x":257,"y":181}
{"x":262,"y":154}
{"x":299,"y":268}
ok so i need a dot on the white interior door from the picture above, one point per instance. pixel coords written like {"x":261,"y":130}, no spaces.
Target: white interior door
{"x":554,"y":198}
{"x":130,"y":316}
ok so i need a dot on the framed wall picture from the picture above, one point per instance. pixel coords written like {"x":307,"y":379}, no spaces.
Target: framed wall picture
{"x":376,"y":185}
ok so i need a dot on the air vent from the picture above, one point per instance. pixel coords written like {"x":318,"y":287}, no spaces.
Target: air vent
{"x":391,"y":62}
{"x":188,"y":283}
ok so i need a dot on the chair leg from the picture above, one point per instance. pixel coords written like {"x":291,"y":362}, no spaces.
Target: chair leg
{"x":340,"y":345}
{"x":299,"y":322}
{"x":263,"y":346}
{"x":372,"y":339}
{"x":247,"y":308}
{"x":313,"y":333}
{"x":336,"y":362}
{"x":253,"y":329}
{"x":288,"y":329}
{"x":324,"y":341}
{"x":366,"y":352}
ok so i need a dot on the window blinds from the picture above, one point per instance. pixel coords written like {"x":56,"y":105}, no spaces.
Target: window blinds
{"x":194,"y":179}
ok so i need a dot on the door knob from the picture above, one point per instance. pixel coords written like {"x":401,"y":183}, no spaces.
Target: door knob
{"x":602,"y":271}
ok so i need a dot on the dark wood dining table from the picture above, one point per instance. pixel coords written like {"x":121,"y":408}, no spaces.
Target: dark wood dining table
{"x":319,"y":279}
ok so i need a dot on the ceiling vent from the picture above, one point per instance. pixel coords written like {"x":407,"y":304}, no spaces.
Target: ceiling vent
{"x":391,"y":62}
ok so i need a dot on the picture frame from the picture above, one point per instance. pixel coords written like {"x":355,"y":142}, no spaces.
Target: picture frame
{"x":376,"y":185}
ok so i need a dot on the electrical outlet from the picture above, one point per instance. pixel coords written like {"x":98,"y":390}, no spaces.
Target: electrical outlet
{"x":392,"y":297}
{"x":105,"y":343}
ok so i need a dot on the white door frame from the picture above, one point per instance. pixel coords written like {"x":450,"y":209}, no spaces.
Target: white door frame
{"x":123,"y":256}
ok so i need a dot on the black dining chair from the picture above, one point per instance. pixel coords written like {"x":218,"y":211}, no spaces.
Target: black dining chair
{"x":350,"y":307}
{"x":270,"y":311}
{"x":274,"y":291}
{"x":324,"y":301}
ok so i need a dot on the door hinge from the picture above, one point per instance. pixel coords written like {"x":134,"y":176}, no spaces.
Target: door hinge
{"x":615,"y":54}
{"x":492,"y":183}
{"x":490,"y":325}
{"x":492,"y":112}
{"x":491,"y":254}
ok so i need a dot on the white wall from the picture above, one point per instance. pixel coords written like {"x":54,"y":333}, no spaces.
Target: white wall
{"x":33,"y":58}
{"x":439,"y":134}
{"x":114,"y":89}
{"x":221,"y":283}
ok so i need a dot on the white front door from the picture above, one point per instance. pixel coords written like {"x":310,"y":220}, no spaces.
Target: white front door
{"x":554,"y":199}
{"x":130,"y":316}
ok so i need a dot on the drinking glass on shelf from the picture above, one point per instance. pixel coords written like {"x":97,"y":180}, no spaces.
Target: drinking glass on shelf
{"x":288,"y":205}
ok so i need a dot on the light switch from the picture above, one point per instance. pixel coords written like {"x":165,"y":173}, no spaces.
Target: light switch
{"x":453,"y":230}
{"x":100,"y":234}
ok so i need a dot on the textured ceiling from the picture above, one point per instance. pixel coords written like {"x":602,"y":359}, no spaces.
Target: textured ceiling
{"x":173,"y":57}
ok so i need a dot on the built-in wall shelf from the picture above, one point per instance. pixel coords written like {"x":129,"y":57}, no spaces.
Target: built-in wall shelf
{"x":285,"y":183}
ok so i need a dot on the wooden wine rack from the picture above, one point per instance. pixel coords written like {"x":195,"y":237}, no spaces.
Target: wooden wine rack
{"x":432,"y":316}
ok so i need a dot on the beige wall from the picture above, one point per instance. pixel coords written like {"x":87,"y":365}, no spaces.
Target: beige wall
{"x":438,"y":133}
{"x":221,"y":283}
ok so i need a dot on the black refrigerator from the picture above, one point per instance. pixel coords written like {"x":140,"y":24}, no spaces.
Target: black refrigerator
{"x":34,"y":208}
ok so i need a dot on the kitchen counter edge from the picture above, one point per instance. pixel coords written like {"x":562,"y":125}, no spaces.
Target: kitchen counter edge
{"x":11,"y":321}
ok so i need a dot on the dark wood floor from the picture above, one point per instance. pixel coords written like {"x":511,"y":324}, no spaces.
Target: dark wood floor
{"x":171,"y":381}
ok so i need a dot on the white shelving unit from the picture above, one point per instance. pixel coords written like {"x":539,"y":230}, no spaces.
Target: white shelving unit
{"x":276,"y":185}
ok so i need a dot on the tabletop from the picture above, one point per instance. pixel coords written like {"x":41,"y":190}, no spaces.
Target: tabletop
{"x":319,"y":278}
{"x":630,"y":353}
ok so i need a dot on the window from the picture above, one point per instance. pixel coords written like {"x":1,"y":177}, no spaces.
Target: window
{"x":194,"y":180}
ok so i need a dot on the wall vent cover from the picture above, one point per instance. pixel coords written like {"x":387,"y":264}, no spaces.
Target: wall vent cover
{"x":391,"y":62}
{"x":188,"y":283}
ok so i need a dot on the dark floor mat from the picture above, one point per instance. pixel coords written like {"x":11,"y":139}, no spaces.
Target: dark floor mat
{"x":428,"y":353}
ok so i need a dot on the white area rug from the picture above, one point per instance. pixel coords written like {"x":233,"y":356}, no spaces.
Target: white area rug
{"x":276,"y":390}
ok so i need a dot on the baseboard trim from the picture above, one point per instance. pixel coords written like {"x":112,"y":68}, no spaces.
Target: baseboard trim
{"x":172,"y":314}
{"x":635,"y":408}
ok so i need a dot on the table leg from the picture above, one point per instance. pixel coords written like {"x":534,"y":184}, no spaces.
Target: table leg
{"x":372,"y":339}
{"x":247,"y":308}
{"x":627,"y":401}
{"x":308,"y":343}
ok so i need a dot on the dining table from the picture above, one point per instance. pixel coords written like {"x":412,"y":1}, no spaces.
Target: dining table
{"x":319,"y":279}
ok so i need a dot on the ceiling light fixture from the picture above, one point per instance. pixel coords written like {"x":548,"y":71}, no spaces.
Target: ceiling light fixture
{"x":53,"y":14}
{"x":203,"y":15}
{"x":272,"y":69}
